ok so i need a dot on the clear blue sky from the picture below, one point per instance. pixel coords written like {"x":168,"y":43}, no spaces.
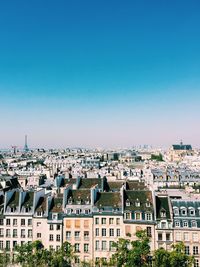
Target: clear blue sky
{"x":99,"y":73}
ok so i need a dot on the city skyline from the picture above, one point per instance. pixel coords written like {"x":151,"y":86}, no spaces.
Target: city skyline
{"x":99,"y":74}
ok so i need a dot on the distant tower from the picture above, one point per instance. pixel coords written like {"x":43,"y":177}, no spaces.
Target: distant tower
{"x":26,"y":149}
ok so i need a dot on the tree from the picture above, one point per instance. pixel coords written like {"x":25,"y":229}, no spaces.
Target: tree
{"x":132,"y":253}
{"x":161,"y":258}
{"x":178,"y":258}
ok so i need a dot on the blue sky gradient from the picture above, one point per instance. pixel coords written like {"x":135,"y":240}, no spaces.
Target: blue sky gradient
{"x":99,"y":73}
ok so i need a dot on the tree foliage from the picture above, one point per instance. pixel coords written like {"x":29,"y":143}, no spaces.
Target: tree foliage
{"x":34,"y":254}
{"x":137,"y":254}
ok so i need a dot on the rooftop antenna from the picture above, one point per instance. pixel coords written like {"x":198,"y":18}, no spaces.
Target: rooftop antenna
{"x":26,"y":149}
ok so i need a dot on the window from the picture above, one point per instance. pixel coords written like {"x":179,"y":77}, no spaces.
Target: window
{"x":68,"y":235}
{"x":137,"y":203}
{"x":149,"y":231}
{"x":193,"y":224}
{"x":50,"y":237}
{"x":111,"y":232}
{"x":86,"y":224}
{"x":57,"y":248}
{"x":23,"y":233}
{"x":103,"y":231}
{"x":128,"y":203}
{"x":7,"y":221}
{"x":14,"y":232}
{"x":7,"y":232}
{"x":187,"y":250}
{"x":118,"y":232}
{"x":177,"y":224}
{"x":97,"y":232}
{"x":86,"y":247}
{"x":77,"y":247}
{"x":77,"y":235}
{"x":87,"y":212}
{"x":77,"y":259}
{"x":8,"y":245}
{"x":103,"y":220}
{"x":1,"y":245}
{"x":39,"y":235}
{"x":22,"y":222}
{"x":1,"y":232}
{"x":51,"y":247}
{"x":39,"y":213}
{"x":163,"y":225}
{"x":77,"y":223}
{"x":185,"y":223}
{"x":137,"y":215}
{"x":184,"y":212}
{"x":192,"y":212}
{"x":29,"y":233}
{"x":111,"y":220}
{"x":97,"y":245}
{"x":51,"y":227}
{"x":111,"y":248}
{"x":148,"y":216}
{"x":196,"y":263}
{"x":176,"y":211}
{"x":195,"y":237}
{"x":96,"y":220}
{"x":14,"y":222}
{"x":38,"y":224}
{"x":1,"y":221}
{"x":14,"y":244}
{"x":104,"y":245}
{"x":29,"y":222}
{"x":57,"y":237}
{"x":163,"y":213}
{"x":195,"y":250}
{"x":186,"y":236}
{"x":178,"y":236}
{"x":148,"y":204}
{"x":159,"y":236}
{"x":128,"y":215}
{"x":78,"y":211}
{"x":27,"y":209}
{"x":86,"y":235}
{"x":168,"y":238}
{"x":118,"y":221}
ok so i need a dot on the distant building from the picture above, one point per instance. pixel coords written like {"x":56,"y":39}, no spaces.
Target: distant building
{"x":178,"y":152}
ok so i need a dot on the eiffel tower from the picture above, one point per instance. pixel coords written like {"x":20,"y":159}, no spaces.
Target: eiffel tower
{"x":26,"y":149}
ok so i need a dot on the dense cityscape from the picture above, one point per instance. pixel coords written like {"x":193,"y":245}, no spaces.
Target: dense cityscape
{"x":91,"y":198}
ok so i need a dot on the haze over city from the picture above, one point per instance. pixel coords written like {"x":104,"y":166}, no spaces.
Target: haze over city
{"x":99,"y":73}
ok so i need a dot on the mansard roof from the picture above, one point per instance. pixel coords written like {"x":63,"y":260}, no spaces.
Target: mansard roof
{"x":28,"y":201}
{"x":14,"y":200}
{"x":108,"y":199}
{"x":162,"y":204}
{"x":143,"y":197}
{"x":87,"y":183}
{"x":76,"y":195}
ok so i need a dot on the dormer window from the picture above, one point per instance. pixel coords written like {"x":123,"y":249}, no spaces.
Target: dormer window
{"x":87,"y":201}
{"x":192,"y":212}
{"x":78,"y":201}
{"x":54,"y":216}
{"x":70,"y":200}
{"x":193,"y":224}
{"x":39,"y":213}
{"x":128,"y":203}
{"x":12,"y":209}
{"x":137,"y":203}
{"x":184,"y":212}
{"x":176,"y":211}
{"x":148,"y":204}
{"x":163,"y":213}
{"x":78,"y":211}
{"x":87,"y":212}
{"x":27,"y":209}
